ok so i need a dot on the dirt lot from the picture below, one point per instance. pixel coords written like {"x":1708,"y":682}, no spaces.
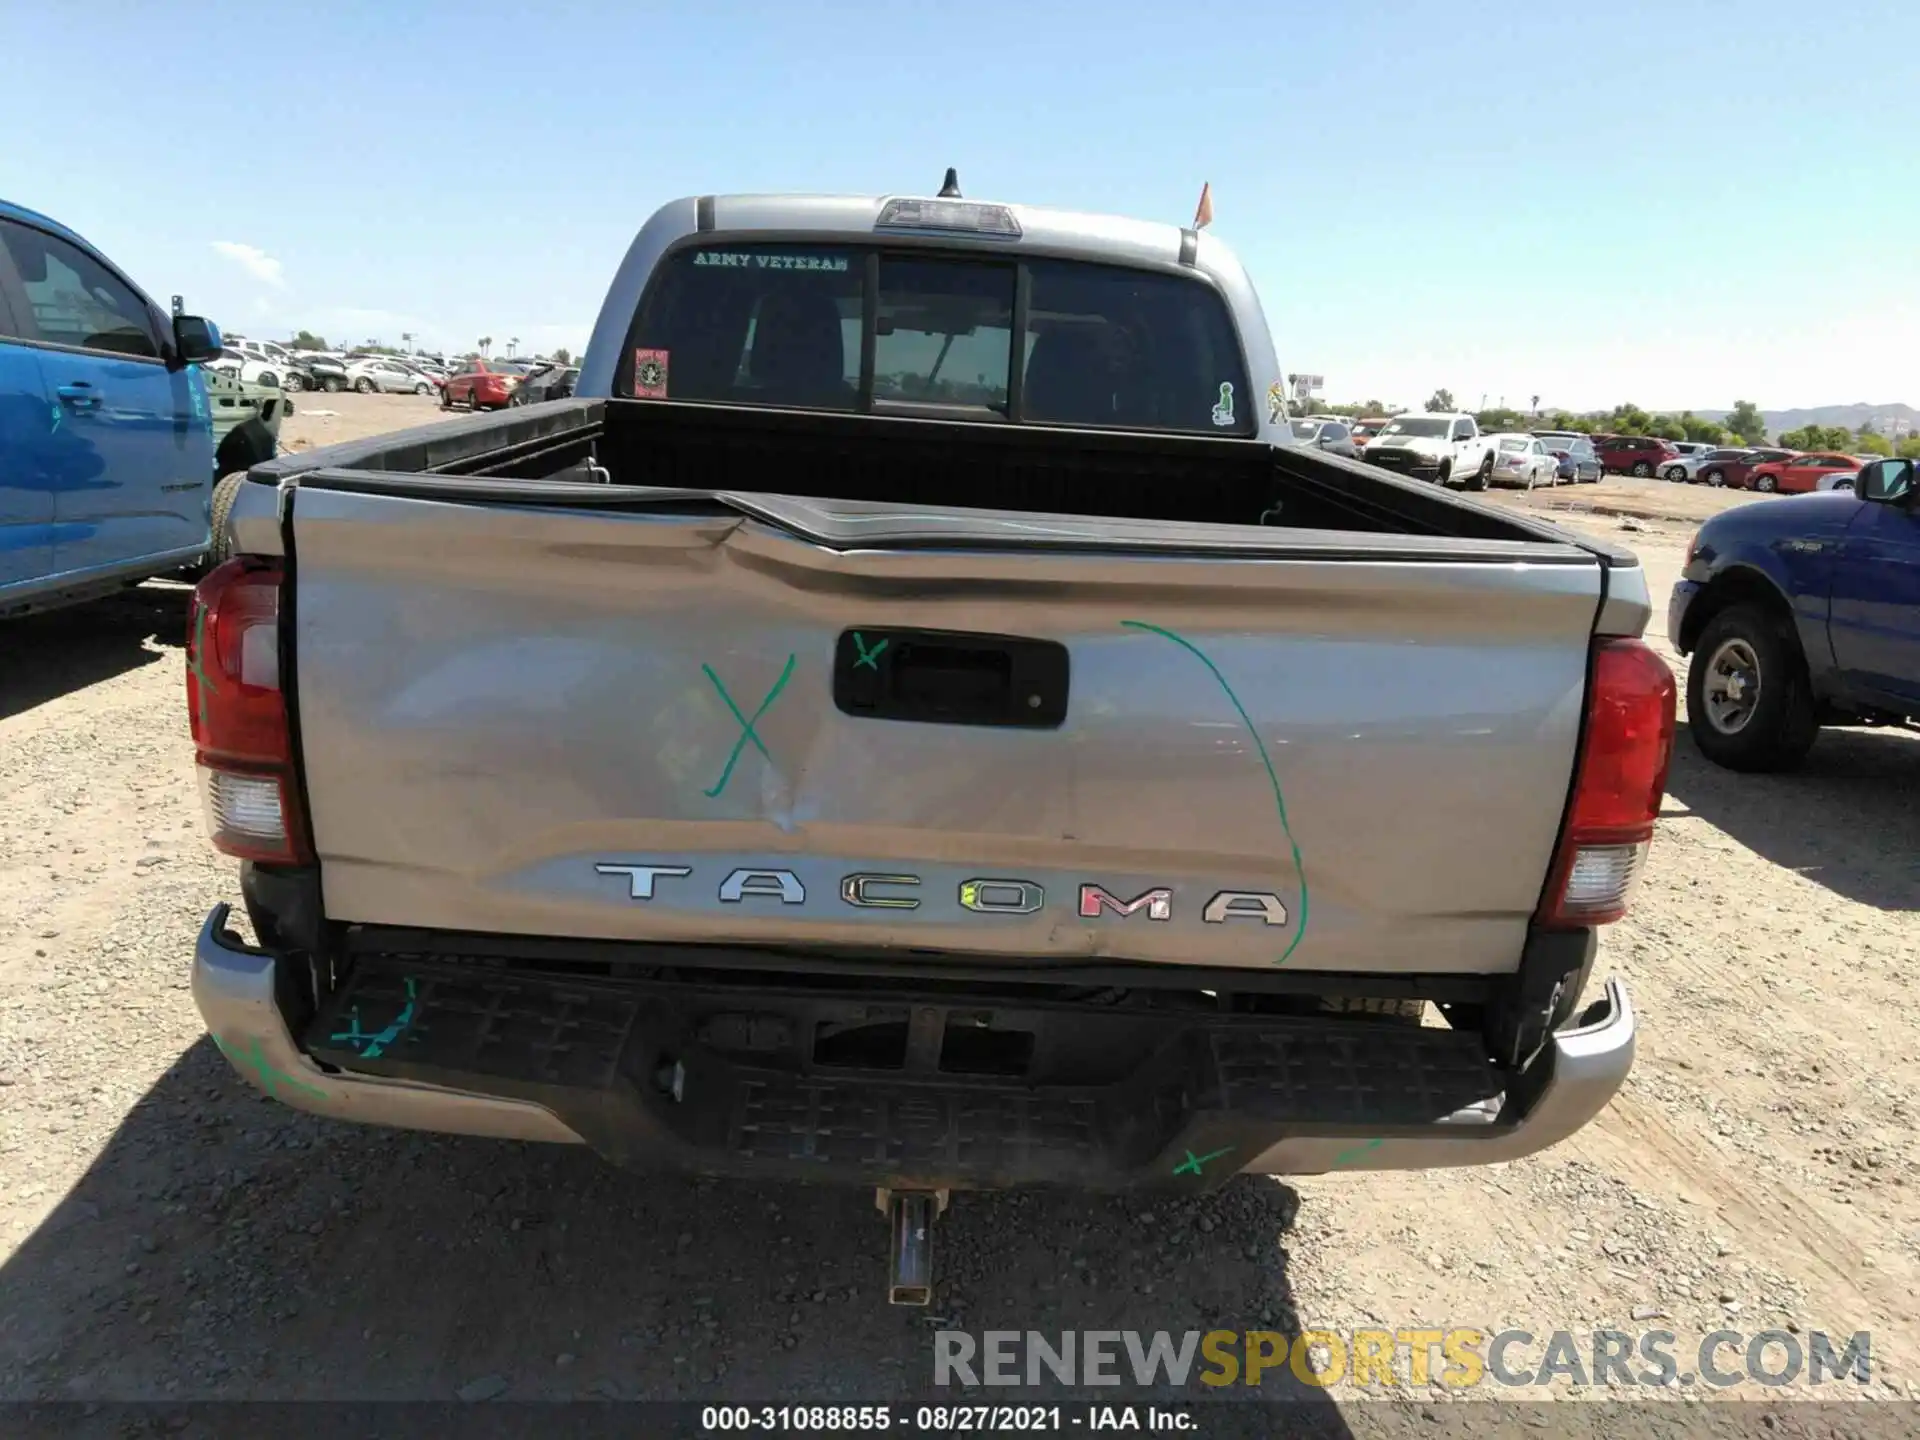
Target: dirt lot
{"x":164,"y":1232}
{"x":321,"y":419}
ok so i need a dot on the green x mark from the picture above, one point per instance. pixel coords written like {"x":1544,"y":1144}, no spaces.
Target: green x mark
{"x":269,"y":1077}
{"x":747,"y":732}
{"x":868,"y":658}
{"x":1346,"y":1157}
{"x":197,"y":666}
{"x":374,"y":1045}
{"x":1191,"y":1165}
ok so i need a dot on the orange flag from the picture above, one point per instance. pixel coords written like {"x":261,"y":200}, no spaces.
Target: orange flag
{"x":1203,"y":212}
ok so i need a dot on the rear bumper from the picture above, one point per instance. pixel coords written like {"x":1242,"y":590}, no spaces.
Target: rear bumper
{"x":234,"y":987}
{"x":633,"y":1069}
{"x":1578,"y":1072}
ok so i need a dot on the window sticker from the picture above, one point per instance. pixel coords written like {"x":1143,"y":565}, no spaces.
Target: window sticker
{"x":1223,"y":412}
{"x":650,"y":374}
{"x":739,"y":260}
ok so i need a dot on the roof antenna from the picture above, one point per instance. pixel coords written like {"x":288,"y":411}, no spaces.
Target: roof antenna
{"x":950,"y":187}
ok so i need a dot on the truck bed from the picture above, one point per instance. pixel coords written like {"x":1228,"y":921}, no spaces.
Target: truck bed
{"x":898,"y":462}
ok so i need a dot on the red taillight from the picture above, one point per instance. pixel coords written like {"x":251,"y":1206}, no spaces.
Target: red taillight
{"x":239,"y":715}
{"x":1626,"y":742}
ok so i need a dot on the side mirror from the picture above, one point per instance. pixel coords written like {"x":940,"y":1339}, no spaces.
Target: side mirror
{"x":1886,"y":482}
{"x":195,"y":339}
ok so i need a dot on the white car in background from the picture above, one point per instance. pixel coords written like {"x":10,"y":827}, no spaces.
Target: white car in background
{"x":390,"y":376}
{"x":1690,"y":454}
{"x":253,"y":369}
{"x":1522,"y":459}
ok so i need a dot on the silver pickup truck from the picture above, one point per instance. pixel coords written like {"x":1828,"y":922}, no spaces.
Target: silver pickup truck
{"x":915,"y":719}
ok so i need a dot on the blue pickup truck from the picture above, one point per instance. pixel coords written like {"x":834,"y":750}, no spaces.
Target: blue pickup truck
{"x":1799,"y":613}
{"x":107,"y":454}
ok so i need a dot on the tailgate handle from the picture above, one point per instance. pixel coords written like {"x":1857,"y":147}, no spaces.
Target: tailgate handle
{"x":951,"y":677}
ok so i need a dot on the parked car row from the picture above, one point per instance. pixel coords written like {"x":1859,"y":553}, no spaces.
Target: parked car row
{"x":1578,"y":456}
{"x":264,"y":362}
{"x":1451,"y":448}
{"x":1797,"y":474}
{"x":1744,"y":467}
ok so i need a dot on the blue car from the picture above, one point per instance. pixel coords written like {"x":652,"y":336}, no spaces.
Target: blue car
{"x":106,"y":436}
{"x":1800,"y":613}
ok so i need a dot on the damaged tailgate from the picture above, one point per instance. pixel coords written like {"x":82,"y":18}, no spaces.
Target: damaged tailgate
{"x":753,"y":719}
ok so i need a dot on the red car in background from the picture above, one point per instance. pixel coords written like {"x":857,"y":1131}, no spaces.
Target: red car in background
{"x":481,"y":385}
{"x":1366,"y":427}
{"x":1795,"y":474}
{"x":1640,"y":455}
{"x":1732,"y":466}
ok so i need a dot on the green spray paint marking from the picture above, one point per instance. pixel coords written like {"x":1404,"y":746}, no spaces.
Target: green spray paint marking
{"x":868,"y":658}
{"x":197,"y":667}
{"x":1192,"y":1164}
{"x":270,"y":1078}
{"x":747,"y":732}
{"x":1347,"y":1157}
{"x":1279,"y":800}
{"x":372,"y":1046}
{"x":55,"y":430}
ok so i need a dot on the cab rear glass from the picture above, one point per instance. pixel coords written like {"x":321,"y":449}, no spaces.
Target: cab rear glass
{"x":870,"y":330}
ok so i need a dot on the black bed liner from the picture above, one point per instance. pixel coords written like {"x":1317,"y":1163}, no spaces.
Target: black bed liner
{"x":829,"y":475}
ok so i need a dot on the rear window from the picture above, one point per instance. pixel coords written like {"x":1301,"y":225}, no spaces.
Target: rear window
{"x":791,"y":326}
{"x":1512,"y":446}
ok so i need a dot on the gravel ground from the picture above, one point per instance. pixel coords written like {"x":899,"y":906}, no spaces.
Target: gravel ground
{"x":1622,"y":495}
{"x":322,"y":419}
{"x":164,"y":1232}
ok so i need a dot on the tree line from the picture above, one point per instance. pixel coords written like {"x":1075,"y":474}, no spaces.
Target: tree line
{"x":1743,"y":425}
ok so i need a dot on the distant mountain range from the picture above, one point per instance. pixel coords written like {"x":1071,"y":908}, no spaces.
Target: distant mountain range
{"x":1897,"y":419}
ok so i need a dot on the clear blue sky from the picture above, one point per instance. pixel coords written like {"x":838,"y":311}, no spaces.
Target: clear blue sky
{"x":1665,"y":201}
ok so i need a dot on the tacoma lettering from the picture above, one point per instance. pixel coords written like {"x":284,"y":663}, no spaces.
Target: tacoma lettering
{"x":1244,"y":905}
{"x":1157,"y":903}
{"x":782,"y":885}
{"x":858,"y":890}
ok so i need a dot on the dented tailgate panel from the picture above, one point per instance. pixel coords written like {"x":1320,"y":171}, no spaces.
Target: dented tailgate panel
{"x":573,"y":723}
